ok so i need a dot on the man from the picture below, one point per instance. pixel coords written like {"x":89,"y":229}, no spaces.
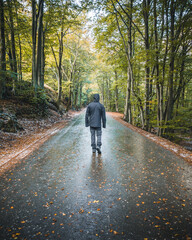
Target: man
{"x":94,"y":113}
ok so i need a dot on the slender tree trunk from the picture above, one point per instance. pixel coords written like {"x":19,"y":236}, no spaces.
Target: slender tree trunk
{"x":103,"y":91}
{"x":70,"y":102}
{"x":146,"y":6}
{"x":77,"y":89}
{"x":42,"y":61}
{"x":170,"y":102}
{"x":20,"y":59}
{"x":9,"y":52}
{"x":158,"y":88}
{"x":183,"y":97}
{"x":72,"y":86}
{"x":2,"y":50}
{"x":80,"y":94}
{"x":39,"y":44}
{"x":60,"y":64}
{"x":128,"y":112}
{"x":19,"y":42}
{"x":34,"y":40}
{"x":14,"y":60}
{"x":116,"y":93}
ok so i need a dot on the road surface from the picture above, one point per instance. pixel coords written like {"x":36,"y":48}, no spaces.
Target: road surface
{"x":134,"y":190}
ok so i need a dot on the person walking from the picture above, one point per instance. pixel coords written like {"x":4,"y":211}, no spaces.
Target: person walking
{"x":94,"y":114}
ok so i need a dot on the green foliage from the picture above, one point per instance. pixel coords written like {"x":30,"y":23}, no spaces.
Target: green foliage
{"x":25,"y":92}
{"x":183,"y":118}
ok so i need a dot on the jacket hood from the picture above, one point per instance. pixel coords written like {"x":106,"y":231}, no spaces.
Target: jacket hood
{"x":96,"y":97}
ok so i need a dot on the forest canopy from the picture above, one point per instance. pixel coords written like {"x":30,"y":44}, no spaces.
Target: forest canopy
{"x":135,"y":53}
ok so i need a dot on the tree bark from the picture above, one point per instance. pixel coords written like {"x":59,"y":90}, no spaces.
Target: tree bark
{"x":170,"y":102}
{"x":9,"y":52}
{"x":19,"y":42}
{"x":146,"y":7}
{"x":34,"y":40}
{"x":158,"y":86}
{"x":2,"y":51}
{"x":80,"y":94}
{"x":13,"y":50}
{"x":116,"y":93}
{"x":42,"y":61}
{"x":39,"y":45}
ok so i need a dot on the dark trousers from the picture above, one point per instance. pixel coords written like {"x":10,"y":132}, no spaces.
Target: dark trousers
{"x":95,"y":131}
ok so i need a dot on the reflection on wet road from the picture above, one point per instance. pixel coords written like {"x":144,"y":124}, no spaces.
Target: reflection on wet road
{"x":134,"y":190}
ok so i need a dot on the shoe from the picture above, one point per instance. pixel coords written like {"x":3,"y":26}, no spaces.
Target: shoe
{"x":99,"y":150}
{"x":93,"y":150}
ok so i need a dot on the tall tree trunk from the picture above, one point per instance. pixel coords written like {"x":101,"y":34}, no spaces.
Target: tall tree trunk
{"x":9,"y":52}
{"x":128,"y":111}
{"x":77,"y":89}
{"x":146,"y":8}
{"x":43,"y":61}
{"x":116,"y":94}
{"x":14,"y":60}
{"x":59,"y":68}
{"x":158,"y":87}
{"x":39,"y":44}
{"x":34,"y":40}
{"x":170,"y":102}
{"x":19,"y":42}
{"x":103,"y":91}
{"x":2,"y":50}
{"x":80,"y":94}
{"x":20,"y":59}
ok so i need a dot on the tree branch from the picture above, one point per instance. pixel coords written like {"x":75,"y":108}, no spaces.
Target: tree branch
{"x":55,"y":57}
{"x":130,"y":19}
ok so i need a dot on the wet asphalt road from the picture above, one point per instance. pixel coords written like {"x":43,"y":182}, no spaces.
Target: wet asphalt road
{"x":134,"y":190}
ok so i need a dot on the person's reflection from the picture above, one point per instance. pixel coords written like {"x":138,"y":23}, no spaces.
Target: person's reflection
{"x":93,"y":163}
{"x":97,"y":167}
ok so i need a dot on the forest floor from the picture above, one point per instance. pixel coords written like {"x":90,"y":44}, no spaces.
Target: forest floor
{"x":15,"y":146}
{"x":175,"y":148}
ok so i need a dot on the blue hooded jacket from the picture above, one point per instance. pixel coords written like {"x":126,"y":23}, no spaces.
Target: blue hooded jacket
{"x":95,"y":113}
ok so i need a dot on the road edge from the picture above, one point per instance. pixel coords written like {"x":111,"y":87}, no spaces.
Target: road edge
{"x":9,"y":160}
{"x":168,"y":145}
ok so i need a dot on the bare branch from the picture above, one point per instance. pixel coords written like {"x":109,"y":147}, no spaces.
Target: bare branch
{"x":54,"y":57}
{"x":130,"y":19}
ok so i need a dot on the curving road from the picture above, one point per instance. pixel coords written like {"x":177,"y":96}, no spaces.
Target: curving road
{"x":134,"y":190}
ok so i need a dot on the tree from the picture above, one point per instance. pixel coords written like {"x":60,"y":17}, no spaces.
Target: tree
{"x":37,"y":28}
{"x":2,"y":50}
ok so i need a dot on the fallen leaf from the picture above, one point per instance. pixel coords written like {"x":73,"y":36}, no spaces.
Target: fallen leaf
{"x":81,"y":211}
